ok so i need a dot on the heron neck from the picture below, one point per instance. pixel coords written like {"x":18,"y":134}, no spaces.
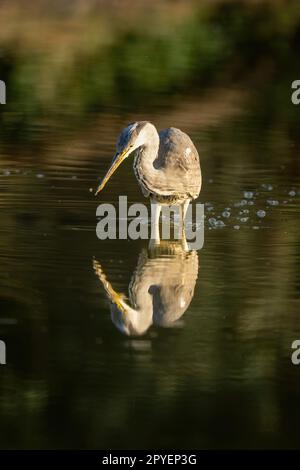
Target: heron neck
{"x":150,"y":147}
{"x":146,"y":172}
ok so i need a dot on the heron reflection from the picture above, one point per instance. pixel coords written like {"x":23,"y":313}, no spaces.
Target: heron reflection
{"x":160,"y":291}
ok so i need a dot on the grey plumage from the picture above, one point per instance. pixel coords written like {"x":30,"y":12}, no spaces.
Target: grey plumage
{"x":176,"y":176}
{"x":166,"y":164}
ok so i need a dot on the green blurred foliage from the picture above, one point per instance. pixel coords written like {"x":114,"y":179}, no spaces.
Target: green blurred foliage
{"x":83,"y":62}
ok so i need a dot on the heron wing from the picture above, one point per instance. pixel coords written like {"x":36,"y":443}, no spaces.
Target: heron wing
{"x":179,"y":159}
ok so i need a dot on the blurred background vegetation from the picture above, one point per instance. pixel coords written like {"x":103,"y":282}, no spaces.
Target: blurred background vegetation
{"x":65,"y":62}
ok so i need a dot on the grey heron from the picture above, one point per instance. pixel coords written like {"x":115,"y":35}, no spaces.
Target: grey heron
{"x":160,"y":291}
{"x":166,"y":165}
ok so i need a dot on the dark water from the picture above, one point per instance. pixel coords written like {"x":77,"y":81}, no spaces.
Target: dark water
{"x":217,"y":373}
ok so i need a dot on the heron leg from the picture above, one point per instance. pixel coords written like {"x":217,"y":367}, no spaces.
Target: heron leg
{"x":185,"y":207}
{"x":155,"y":214}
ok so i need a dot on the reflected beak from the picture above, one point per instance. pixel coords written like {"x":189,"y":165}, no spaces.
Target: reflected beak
{"x":115,"y":297}
{"x":118,"y":159}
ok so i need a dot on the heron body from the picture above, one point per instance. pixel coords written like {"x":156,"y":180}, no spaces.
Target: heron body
{"x":166,"y":164}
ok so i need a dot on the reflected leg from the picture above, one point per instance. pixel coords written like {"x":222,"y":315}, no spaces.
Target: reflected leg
{"x":184,"y":208}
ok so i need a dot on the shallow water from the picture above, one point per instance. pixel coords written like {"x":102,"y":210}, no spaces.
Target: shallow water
{"x":215,"y":373}
{"x":222,"y":373}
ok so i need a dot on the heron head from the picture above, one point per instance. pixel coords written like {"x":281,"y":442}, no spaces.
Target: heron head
{"x":132,"y":137}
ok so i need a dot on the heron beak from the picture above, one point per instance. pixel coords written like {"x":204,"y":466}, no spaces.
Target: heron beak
{"x":118,"y":159}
